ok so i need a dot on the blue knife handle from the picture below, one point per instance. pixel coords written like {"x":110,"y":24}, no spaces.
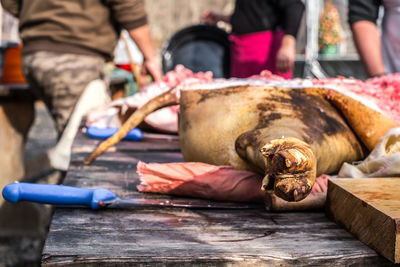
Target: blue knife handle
{"x":102,"y":133}
{"x":57,"y":194}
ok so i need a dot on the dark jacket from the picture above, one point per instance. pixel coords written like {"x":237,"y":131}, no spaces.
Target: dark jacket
{"x":75,"y":26}
{"x":260,"y":15}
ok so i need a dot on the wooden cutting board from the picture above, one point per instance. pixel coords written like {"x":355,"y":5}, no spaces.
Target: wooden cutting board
{"x":369,"y":208}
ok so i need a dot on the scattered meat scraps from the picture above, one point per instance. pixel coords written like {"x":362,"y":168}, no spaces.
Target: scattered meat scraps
{"x":384,"y":91}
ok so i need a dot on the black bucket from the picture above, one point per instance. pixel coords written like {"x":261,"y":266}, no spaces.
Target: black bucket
{"x":199,"y":48}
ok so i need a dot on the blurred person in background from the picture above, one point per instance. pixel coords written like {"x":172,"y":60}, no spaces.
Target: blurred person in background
{"x":379,"y":51}
{"x":263,"y":35}
{"x":65,"y":47}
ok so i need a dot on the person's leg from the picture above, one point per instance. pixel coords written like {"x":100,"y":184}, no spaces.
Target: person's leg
{"x":59,"y":80}
{"x":62,"y":78}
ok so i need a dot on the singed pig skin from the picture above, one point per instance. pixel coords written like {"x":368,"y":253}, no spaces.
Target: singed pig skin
{"x":230,"y":126}
{"x":288,"y":135}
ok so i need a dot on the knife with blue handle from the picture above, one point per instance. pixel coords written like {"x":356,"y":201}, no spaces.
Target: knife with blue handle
{"x":69,"y":196}
{"x":102,"y":133}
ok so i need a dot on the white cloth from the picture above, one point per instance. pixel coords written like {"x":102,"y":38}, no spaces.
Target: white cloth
{"x":391,"y":36}
{"x":94,"y":95}
{"x":383,"y":161}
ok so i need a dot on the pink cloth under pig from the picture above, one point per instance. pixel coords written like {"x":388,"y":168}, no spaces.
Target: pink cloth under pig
{"x":195,"y":179}
{"x":254,"y":52}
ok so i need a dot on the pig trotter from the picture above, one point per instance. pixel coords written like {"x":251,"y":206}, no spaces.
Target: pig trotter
{"x":291,"y":163}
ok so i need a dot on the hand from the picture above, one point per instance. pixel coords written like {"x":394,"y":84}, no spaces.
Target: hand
{"x":285,"y":59}
{"x":286,"y":54}
{"x":210,"y":17}
{"x":152,"y":68}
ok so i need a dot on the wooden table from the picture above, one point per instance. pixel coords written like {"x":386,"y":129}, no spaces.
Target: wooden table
{"x":185,"y":237}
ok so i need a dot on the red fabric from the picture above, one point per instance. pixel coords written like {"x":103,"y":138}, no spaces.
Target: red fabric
{"x":195,"y":179}
{"x":255,"y":52}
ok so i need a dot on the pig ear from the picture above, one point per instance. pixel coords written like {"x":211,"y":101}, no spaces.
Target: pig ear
{"x":168,"y":98}
{"x":367,"y":123}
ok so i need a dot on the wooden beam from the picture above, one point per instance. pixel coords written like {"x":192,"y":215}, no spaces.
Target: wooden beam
{"x":369,"y":208}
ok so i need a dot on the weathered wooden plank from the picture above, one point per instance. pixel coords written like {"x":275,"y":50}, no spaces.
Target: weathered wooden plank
{"x":377,"y":220}
{"x":150,"y":142}
{"x":111,"y":157}
{"x":209,"y":260}
{"x":180,"y":235}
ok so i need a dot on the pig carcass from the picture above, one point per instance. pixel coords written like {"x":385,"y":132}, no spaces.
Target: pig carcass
{"x":289,"y":135}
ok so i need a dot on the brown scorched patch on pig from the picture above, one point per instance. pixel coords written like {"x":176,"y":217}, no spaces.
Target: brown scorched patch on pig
{"x":319,"y":117}
{"x":206,"y":94}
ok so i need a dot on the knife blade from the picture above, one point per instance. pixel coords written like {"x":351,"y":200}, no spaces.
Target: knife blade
{"x":191,"y":204}
{"x":69,"y":196}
